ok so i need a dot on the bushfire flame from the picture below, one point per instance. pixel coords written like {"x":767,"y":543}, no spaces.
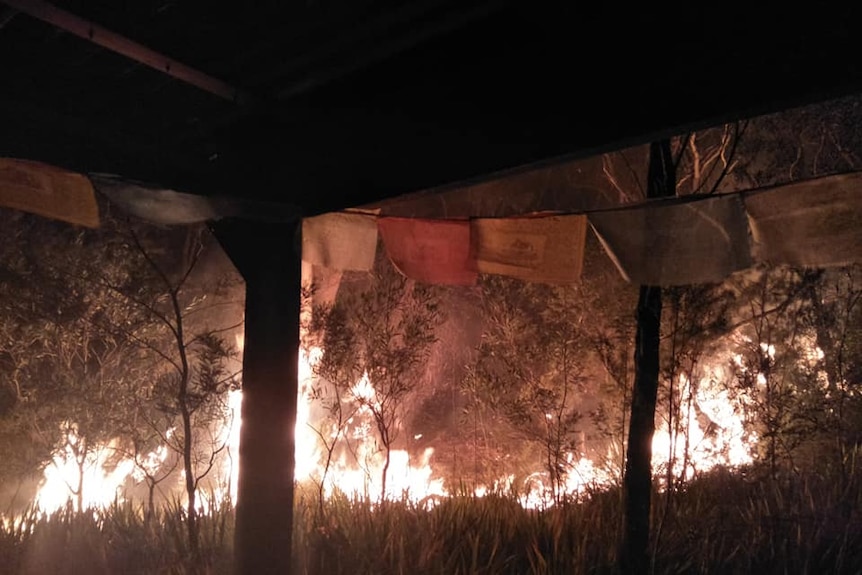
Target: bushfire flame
{"x":99,"y":481}
{"x":713,"y":434}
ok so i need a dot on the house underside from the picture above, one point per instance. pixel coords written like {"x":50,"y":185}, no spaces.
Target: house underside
{"x":426,"y":109}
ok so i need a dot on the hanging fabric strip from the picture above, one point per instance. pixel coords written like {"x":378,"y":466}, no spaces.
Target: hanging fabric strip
{"x":817,"y":223}
{"x":547,"y":249}
{"x":677,"y":243}
{"x":154,"y":204}
{"x":48,"y":191}
{"x":430,"y":251}
{"x":340,"y":241}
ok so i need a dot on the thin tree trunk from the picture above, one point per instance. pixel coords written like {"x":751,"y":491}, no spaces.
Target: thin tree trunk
{"x":151,"y":505}
{"x":191,"y":488}
{"x":689,"y":404}
{"x":188,"y":436}
{"x":637,"y":479}
{"x":79,"y":492}
{"x":387,"y":446}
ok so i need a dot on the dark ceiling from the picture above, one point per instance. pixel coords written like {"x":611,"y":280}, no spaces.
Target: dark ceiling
{"x":348,"y":102}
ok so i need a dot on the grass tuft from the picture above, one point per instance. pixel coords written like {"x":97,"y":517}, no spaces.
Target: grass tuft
{"x":723,"y":523}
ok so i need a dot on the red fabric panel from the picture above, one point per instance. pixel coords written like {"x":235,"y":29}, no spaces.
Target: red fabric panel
{"x":430,"y":251}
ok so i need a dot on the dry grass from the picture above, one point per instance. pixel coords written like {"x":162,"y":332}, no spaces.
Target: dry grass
{"x":724,"y":523}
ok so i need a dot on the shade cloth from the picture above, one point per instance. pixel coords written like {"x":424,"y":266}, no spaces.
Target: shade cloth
{"x":677,"y":242}
{"x":153,"y":204}
{"x":814,"y":223}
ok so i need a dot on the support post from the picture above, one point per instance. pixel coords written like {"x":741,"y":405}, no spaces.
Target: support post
{"x":268,"y":255}
{"x":634,"y":556}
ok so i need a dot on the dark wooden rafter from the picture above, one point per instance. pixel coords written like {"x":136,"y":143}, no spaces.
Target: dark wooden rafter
{"x":105,"y":38}
{"x":384,"y":36}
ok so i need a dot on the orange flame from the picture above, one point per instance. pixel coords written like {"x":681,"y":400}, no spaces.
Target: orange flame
{"x":716,"y":437}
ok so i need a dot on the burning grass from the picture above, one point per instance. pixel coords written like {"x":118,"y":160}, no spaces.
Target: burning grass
{"x":725,"y":522}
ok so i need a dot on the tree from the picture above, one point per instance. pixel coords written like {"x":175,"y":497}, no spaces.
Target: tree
{"x":697,"y":318}
{"x":148,"y":452}
{"x":380,"y":334}
{"x":791,"y":364}
{"x":126,"y":345}
{"x":333,"y":376}
{"x":530,"y":370}
{"x":798,"y":144}
{"x":64,"y":370}
{"x":86,"y":376}
{"x":836,"y":300}
{"x":637,"y":479}
{"x":193,"y":374}
{"x":696,"y":163}
{"x":610,"y":335}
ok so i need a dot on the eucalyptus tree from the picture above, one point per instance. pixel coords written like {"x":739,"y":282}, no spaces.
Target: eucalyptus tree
{"x":531,"y":371}
{"x":381,"y":330}
{"x":120,"y":335}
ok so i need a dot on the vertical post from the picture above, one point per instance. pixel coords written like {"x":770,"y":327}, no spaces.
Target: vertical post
{"x":637,"y":479}
{"x":268,"y":255}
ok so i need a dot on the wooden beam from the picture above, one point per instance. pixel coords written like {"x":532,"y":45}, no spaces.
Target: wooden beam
{"x":105,"y":38}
